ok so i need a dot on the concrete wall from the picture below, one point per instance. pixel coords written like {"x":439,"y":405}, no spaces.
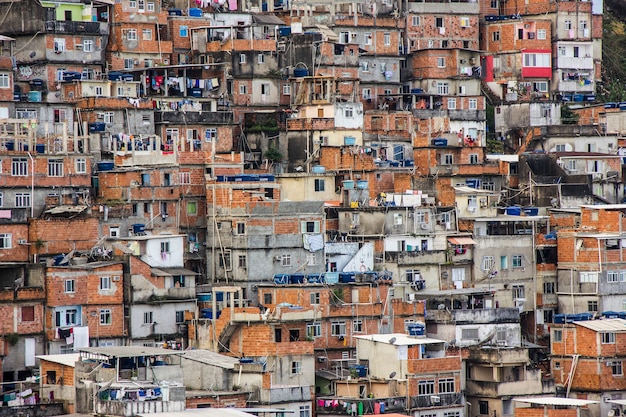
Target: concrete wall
{"x":164,"y":315}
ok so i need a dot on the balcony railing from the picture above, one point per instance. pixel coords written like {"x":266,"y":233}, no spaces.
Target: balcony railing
{"x":66,"y":26}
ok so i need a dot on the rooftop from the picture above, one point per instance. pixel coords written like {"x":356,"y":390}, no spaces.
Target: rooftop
{"x":211,"y":358}
{"x":604,"y":325}
{"x":557,"y":401}
{"x":130,"y":351}
{"x":400,"y":339}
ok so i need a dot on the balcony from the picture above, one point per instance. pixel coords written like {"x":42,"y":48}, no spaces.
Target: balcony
{"x":580,"y":63}
{"x":530,"y":385}
{"x":71,"y":28}
{"x":203,"y":117}
{"x":311,"y":124}
{"x":485,"y":315}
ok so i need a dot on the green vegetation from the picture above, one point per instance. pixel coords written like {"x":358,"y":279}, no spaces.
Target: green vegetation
{"x":613,"y":59}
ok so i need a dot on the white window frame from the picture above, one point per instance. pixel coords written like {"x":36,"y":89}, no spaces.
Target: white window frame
{"x":19,"y":167}
{"x":387,"y":39}
{"x":488,"y":263}
{"x":55,"y":167}
{"x":69,"y":286}
{"x":5,"y":81}
{"x":106,"y":317}
{"x":146,"y":34}
{"x":337,"y":328}
{"x":88,"y":45}
{"x":542,"y":34}
{"x":441,"y":62}
{"x":22,"y":200}
{"x":130,"y":34}
{"x":452,"y":104}
{"x":6,"y":240}
{"x":261,"y":58}
{"x":367,"y":38}
{"x":59,"y":45}
{"x":473,"y":104}
{"x":105,"y":283}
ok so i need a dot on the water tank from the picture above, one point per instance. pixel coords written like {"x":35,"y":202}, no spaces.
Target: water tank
{"x":300,"y":72}
{"x":416,"y":329}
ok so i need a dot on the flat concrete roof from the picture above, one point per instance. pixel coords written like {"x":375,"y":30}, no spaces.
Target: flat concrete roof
{"x":211,"y":358}
{"x":202,"y":412}
{"x":400,"y":339}
{"x":559,"y":401}
{"x":67,"y":359}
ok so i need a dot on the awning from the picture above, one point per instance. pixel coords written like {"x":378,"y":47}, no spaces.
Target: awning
{"x":266,"y":19}
{"x":556,"y":401}
{"x":461,"y":241}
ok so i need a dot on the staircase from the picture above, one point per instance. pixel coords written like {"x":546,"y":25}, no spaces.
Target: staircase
{"x":492,"y":97}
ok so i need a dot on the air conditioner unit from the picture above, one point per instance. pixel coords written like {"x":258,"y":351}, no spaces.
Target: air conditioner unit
{"x":483,"y":202}
{"x":278,"y":257}
{"x":22,"y":241}
{"x":435,"y":399}
{"x":116,"y":278}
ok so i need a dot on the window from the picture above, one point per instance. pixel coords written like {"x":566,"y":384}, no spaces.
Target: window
{"x":105,"y":316}
{"x":141,"y":6}
{"x":150,"y":7}
{"x":296,"y":368}
{"x":367,"y":93}
{"x":146,"y":34}
{"x":439,"y":22}
{"x":592,"y":306}
{"x":588,"y":277}
{"x":310,"y":227}
{"x":473,"y":158}
{"x":516,"y":261}
{"x":368,"y":38}
{"x":285,"y":260}
{"x":426,"y":387}
{"x":387,"y":38}
{"x":242,"y":58}
{"x":344,"y":37}
{"x":129,"y":63}
{"x":446,"y":385}
{"x":265,"y":89}
{"x":311,"y":259}
{"x":261,"y":58}
{"x":114,"y":231}
{"x":131,"y":34}
{"x":441,"y":62}
{"x":447,"y":159}
{"x":488,"y":263}
{"x":28,"y":313}
{"x":55,"y":167}
{"x":451,"y":104}
{"x":105,"y":283}
{"x":5,"y":81}
{"x":518,"y":292}
{"x":69,"y":285}
{"x":612,"y":276}
{"x":473,"y":104}
{"x":165,"y":247}
{"x":210,"y":134}
{"x":567,"y":25}
{"x":71,"y":317}
{"x":541,"y":34}
{"x":537,"y":60}
{"x":27,"y":113}
{"x":184,"y":178}
{"x":180,"y":316}
{"x":357,"y":326}
{"x":192,"y":208}
{"x":315,"y":298}
{"x":80,"y":166}
{"x":314,"y":330}
{"x":19,"y":167}
{"x":549,"y":287}
{"x":415,"y":20}
{"x":132,"y":4}
{"x":483,"y":408}
{"x":147,"y":317}
{"x":22,"y":200}
{"x":287,"y":89}
{"x":465,"y":22}
{"x":608,"y":337}
{"x":616,"y":368}
{"x":183,"y":31}
{"x":319,"y":184}
{"x":469,"y":334}
{"x":305,"y":411}
{"x":88,"y":45}
{"x":443,"y":88}
{"x":5,"y":240}
{"x":495,"y":36}
{"x":557,"y":335}
{"x":59,"y":45}
{"x":348,"y":112}
{"x":338,"y":328}
{"x":243,"y":88}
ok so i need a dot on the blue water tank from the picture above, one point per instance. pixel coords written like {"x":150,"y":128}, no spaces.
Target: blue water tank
{"x":348,"y":185}
{"x":440,"y":142}
{"x":105,"y":166}
{"x":346,"y":277}
{"x":296,"y":279}
{"x":281,"y":279}
{"x":300,"y":72}
{"x":139,"y":228}
{"x":195,"y":12}
{"x":513,"y":211}
{"x":531,"y":211}
{"x":284,"y":30}
{"x":40,"y":148}
{"x":331,"y":277}
{"x":416,"y":329}
{"x":559,"y":318}
{"x":610,"y":314}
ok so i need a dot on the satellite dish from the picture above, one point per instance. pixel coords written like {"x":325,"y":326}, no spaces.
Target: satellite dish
{"x":32,"y":54}
{"x":392,"y":340}
{"x":611,"y":413}
{"x":393,"y":374}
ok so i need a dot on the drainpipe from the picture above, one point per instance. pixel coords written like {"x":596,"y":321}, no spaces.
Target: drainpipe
{"x":32,"y":185}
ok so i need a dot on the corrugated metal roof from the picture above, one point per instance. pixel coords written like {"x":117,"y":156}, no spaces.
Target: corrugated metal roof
{"x":461,"y":240}
{"x":400,"y":339}
{"x":572,"y":402}
{"x":130,"y":351}
{"x":604,"y":325}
